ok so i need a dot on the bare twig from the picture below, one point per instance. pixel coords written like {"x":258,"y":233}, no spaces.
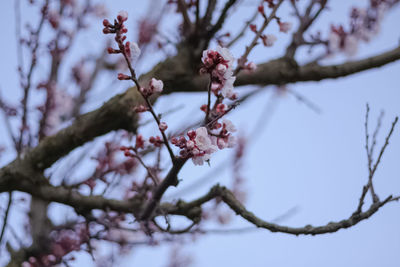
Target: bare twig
{"x":28,"y":80}
{"x":254,"y":42}
{"x":245,"y":27}
{"x":3,"y":229}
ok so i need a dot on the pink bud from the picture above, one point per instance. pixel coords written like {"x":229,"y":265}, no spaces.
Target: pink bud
{"x":106,"y":23}
{"x":111,"y":50}
{"x":253,"y":27}
{"x":122,"y":76}
{"x":122,"y":16}
{"x":261,"y":10}
{"x":163,"y":126}
{"x":221,"y":108}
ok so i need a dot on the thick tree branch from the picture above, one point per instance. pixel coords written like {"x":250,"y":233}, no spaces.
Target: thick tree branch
{"x":115,"y":114}
{"x":282,"y":71}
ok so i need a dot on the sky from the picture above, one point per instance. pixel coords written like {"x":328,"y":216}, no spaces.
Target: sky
{"x":315,"y":163}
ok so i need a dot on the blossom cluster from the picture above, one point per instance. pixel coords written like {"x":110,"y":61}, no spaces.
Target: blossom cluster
{"x":64,"y":242}
{"x":201,"y":143}
{"x":219,"y":64}
{"x":141,"y":143}
{"x":269,"y":39}
{"x":131,"y":52}
{"x":129,"y":49}
{"x":364,"y":24}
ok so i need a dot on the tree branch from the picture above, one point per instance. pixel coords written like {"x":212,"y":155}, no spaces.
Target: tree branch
{"x":229,"y":198}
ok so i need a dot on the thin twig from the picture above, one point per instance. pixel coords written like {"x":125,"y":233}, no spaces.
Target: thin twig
{"x":258,"y":35}
{"x":245,"y":27}
{"x":208,"y":100}
{"x":3,"y":229}
{"x":27,"y":84}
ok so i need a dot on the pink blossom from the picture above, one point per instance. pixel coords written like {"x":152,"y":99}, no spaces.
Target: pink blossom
{"x":229,"y":126}
{"x":285,"y":26}
{"x":232,"y":141}
{"x":203,"y":141}
{"x":190,"y":144}
{"x":219,"y":63}
{"x":226,"y":54}
{"x":163,"y":126}
{"x":350,"y":45}
{"x":334,"y":42}
{"x":204,"y":147}
{"x":269,"y":39}
{"x":221,"y":68}
{"x":199,"y":160}
{"x":251,"y":66}
{"x":135,"y":51}
{"x":156,"y":85}
{"x":227,"y":90}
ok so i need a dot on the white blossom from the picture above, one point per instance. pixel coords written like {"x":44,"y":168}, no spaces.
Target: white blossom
{"x":200,"y":159}
{"x":351,"y":45}
{"x":157,"y":85}
{"x":135,"y":51}
{"x":285,"y":26}
{"x":334,"y":42}
{"x":221,"y":68}
{"x":252,"y":66}
{"x":229,"y":126}
{"x":270,"y":39}
{"x":226,"y":54}
{"x":203,"y":141}
{"x":232,"y":141}
{"x":227,"y":90}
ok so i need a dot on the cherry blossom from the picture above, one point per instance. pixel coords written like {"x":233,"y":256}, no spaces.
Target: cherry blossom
{"x":202,"y":144}
{"x":251,"y":66}
{"x":285,"y":26}
{"x":132,"y":51}
{"x":163,"y":126}
{"x":156,"y":85}
{"x":219,"y":63}
{"x":268,"y":39}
